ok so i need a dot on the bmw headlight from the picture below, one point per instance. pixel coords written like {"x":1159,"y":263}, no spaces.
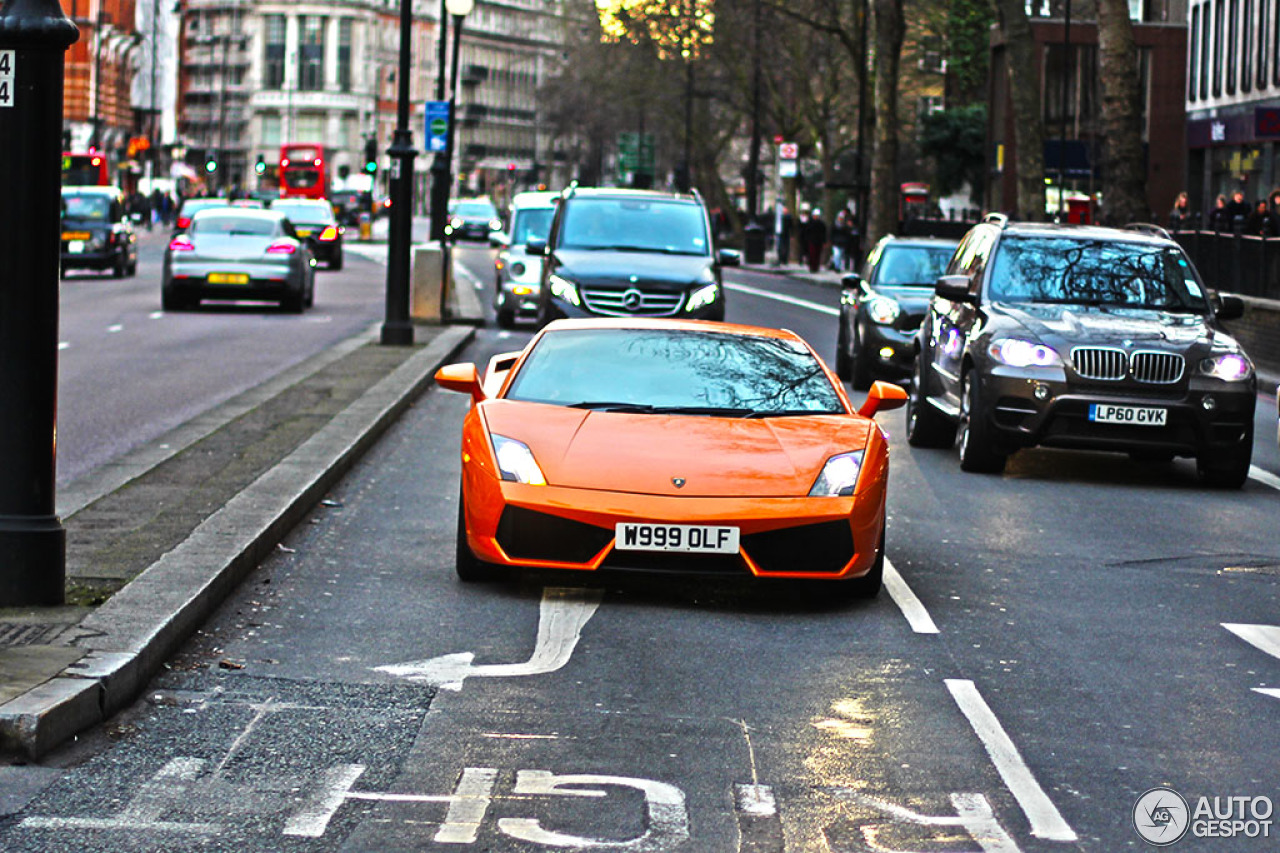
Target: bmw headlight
{"x":1016,"y":352}
{"x":1229,"y":367}
{"x":562,"y":288}
{"x":883,"y":310}
{"x":839,"y":476}
{"x":516,"y":462}
{"x":702,"y":297}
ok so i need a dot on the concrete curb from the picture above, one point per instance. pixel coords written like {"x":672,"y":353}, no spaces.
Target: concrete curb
{"x":140,"y":626}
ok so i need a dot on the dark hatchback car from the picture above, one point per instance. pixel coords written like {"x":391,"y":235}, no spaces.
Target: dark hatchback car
{"x":882,"y":307}
{"x":1081,"y":337}
{"x":96,"y":233}
{"x":630,"y":253}
{"x":313,"y":221}
{"x":472,"y":219}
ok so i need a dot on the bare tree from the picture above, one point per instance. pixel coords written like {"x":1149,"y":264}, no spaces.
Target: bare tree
{"x":1126,"y":198}
{"x":1024,"y":92}
{"x":890,"y":28}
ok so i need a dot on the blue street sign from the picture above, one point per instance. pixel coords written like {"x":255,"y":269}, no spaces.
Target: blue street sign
{"x":437,"y":125}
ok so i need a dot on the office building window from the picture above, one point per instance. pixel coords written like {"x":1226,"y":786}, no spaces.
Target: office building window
{"x":311,"y":127}
{"x":271,"y":134}
{"x":1246,"y":47}
{"x":273,"y":60}
{"x":344,"y":55}
{"x":1193,"y":57}
{"x":1233,"y":44}
{"x":1264,"y":12}
{"x":311,"y":52}
{"x":1219,"y":7}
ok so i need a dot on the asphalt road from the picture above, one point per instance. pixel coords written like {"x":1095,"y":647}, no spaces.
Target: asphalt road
{"x":129,"y":372}
{"x":1064,"y":637}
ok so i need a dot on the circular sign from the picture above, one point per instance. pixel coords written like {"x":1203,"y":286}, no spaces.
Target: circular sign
{"x":439,"y":126}
{"x":788,"y":150}
{"x":1161,"y":816}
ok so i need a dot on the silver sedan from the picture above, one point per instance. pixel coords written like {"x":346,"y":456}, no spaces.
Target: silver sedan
{"x":234,"y":253}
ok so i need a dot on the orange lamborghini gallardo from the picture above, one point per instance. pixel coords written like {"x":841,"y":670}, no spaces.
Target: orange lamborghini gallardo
{"x":670,"y":446}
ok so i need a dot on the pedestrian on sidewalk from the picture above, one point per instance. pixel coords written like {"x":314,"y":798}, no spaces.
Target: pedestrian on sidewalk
{"x":813,"y":239}
{"x":841,"y":231}
{"x":782,"y":238}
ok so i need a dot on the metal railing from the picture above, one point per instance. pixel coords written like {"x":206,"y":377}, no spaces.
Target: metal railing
{"x":1233,"y":261}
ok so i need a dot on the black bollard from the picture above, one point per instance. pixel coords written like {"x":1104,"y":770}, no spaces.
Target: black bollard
{"x":34,"y":36}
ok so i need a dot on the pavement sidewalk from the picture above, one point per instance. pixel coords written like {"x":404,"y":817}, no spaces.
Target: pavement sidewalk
{"x":158,"y":538}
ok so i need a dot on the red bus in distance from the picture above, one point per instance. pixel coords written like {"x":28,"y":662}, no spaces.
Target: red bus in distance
{"x":304,"y":171}
{"x":85,"y":169}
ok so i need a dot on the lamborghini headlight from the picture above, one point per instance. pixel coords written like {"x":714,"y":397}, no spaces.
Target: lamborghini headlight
{"x":516,"y":462}
{"x":839,"y":476}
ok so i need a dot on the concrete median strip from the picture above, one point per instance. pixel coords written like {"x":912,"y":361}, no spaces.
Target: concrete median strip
{"x":128,"y":637}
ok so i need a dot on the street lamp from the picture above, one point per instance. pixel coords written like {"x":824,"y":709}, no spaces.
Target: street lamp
{"x":442,"y":166}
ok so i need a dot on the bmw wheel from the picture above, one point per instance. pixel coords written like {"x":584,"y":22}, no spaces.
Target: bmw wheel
{"x":926,"y":426}
{"x":1227,"y":469}
{"x":974,"y":441}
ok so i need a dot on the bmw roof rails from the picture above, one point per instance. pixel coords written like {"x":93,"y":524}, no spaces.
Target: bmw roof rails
{"x":996,"y":219}
{"x":1148,"y":228}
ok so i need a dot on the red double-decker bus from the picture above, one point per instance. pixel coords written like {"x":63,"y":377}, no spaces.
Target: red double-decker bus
{"x":304,"y":170}
{"x":85,"y":169}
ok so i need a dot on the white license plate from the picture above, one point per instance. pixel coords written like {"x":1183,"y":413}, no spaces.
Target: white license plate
{"x":75,"y":247}
{"x":685,"y":538}
{"x":1105,"y":413}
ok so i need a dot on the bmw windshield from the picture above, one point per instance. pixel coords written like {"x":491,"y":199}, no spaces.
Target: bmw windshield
{"x":656,"y":371}
{"x":1095,"y":273}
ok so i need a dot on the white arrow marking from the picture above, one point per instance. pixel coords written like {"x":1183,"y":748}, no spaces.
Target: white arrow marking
{"x":562,"y":615}
{"x":1264,"y":637}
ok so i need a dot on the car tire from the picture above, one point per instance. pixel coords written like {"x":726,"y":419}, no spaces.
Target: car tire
{"x":294,"y":302}
{"x":974,"y":441}
{"x":133,"y":269}
{"x":170,"y":300}
{"x":336,"y":263}
{"x":1227,"y":469}
{"x":844,"y":367}
{"x":926,"y":426}
{"x":118,"y":269}
{"x":469,"y":567}
{"x":860,"y":375}
{"x":868,"y":586}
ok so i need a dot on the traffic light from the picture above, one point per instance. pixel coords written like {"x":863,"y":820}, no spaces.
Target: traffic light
{"x":211,"y":164}
{"x":371,"y":155}
{"x":261,"y":166}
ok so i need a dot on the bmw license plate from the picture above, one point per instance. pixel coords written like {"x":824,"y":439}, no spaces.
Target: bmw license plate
{"x":685,"y":538}
{"x":228,"y":278}
{"x":1105,"y":413}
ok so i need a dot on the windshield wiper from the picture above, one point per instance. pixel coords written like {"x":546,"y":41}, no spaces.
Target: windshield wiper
{"x":788,"y":413}
{"x":646,"y":409}
{"x":612,"y":406}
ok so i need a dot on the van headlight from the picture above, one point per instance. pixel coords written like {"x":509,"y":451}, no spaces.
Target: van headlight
{"x":839,"y":476}
{"x":564,"y":289}
{"x":703,"y":296}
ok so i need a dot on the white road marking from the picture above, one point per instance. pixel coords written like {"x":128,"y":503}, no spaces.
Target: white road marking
{"x":64,"y":345}
{"x":755,"y":800}
{"x":917,"y":616}
{"x":155,"y":315}
{"x":562,"y":615}
{"x":156,"y":796}
{"x":974,"y":815}
{"x":667,"y":825}
{"x":116,"y":328}
{"x":1266,"y":478}
{"x":1046,"y":821}
{"x":313,"y":818}
{"x":1264,"y":637}
{"x":782,"y":297}
{"x":468,"y":806}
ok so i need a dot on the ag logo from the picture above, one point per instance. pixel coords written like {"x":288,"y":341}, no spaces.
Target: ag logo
{"x":1161,"y":816}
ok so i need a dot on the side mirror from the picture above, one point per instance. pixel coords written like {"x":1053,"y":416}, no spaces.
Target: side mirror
{"x":883,"y":397}
{"x":462,"y":378}
{"x":536,"y":246}
{"x":955,"y":288}
{"x":1230,"y":308}
{"x":729,"y":258}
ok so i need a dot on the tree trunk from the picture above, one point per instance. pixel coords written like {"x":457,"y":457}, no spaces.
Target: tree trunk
{"x":1028,"y":120}
{"x":1126,"y":197}
{"x":890,"y":28}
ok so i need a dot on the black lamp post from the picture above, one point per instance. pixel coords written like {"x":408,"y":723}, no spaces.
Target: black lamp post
{"x":397,"y":330}
{"x":442,"y":166}
{"x":34,"y":36}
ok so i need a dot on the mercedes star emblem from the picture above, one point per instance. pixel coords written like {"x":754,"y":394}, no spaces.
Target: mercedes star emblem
{"x":632,"y":299}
